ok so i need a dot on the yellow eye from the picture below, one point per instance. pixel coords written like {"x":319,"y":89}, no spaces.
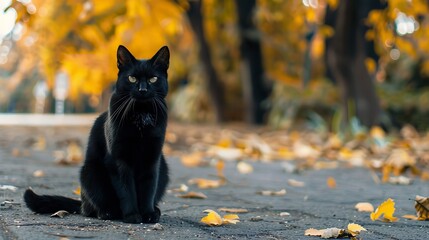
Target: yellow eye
{"x":132,"y":79}
{"x":153,"y":80}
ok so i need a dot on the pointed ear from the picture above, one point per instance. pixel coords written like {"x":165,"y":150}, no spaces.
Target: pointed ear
{"x":162,"y":58}
{"x":124,"y":57}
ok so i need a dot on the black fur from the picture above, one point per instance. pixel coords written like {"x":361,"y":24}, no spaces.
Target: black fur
{"x":125,"y":173}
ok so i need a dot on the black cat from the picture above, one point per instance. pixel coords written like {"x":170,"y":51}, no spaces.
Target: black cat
{"x":125,"y":173}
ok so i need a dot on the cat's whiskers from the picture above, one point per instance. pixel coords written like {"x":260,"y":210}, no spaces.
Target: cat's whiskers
{"x":124,"y":114}
{"x":118,"y":110}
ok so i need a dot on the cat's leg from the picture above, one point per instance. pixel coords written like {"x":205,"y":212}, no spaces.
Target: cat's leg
{"x":122,"y":178}
{"x":100,"y":197}
{"x":147,"y":185}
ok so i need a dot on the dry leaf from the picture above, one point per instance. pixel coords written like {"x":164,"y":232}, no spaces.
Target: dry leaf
{"x":273,"y":193}
{"x":77,"y":191}
{"x":193,"y":160}
{"x":194,"y":195}
{"x":355,"y":229}
{"x":352,"y":230}
{"x":411,"y":217}
{"x":60,"y":214}
{"x":228,"y":154}
{"x":284,"y":214}
{"x":387,"y":208}
{"x":422,"y":207}
{"x":38,"y":173}
{"x":331,"y":182}
{"x":206,"y":183}
{"x":364,"y":207}
{"x":182,"y":188}
{"x":244,"y":168}
{"x":74,"y":153}
{"x":220,"y":166}
{"x":8,"y":187}
{"x":233,"y":210}
{"x":295,"y":183}
{"x":400,"y":180}
{"x":313,"y":232}
{"x":214,"y":219}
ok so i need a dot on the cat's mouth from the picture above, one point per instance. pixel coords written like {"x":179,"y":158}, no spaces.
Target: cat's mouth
{"x":143,"y":98}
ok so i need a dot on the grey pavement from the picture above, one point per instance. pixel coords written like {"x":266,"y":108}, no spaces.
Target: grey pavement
{"x":312,"y":206}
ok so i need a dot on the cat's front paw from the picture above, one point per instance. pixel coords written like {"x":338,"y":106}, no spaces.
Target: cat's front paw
{"x":152,"y":217}
{"x":132,"y":218}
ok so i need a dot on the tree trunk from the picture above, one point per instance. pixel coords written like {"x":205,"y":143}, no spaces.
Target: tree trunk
{"x":252,"y":72}
{"x":346,"y":53}
{"x":214,"y":85}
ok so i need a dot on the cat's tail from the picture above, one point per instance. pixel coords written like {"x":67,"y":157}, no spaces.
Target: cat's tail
{"x":50,"y":204}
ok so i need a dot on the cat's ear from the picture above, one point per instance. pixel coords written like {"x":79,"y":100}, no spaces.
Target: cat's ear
{"x":162,"y":58}
{"x":124,"y":56}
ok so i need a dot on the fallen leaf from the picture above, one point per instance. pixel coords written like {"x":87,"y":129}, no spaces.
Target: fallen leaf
{"x":284,"y":214}
{"x":206,"y":183}
{"x":77,"y":191}
{"x":244,"y":168}
{"x":74,"y":153}
{"x":220,"y":166}
{"x":313,"y":232}
{"x":193,"y":160}
{"x":233,"y":210}
{"x":331,"y":182}
{"x":231,"y":218}
{"x":273,"y":193}
{"x":400,"y":180}
{"x":60,"y":214}
{"x":8,"y":187}
{"x":194,"y":195}
{"x":38,"y":173}
{"x":295,"y":183}
{"x":214,"y":219}
{"x":387,"y":208}
{"x":364,"y":207}
{"x":352,"y":231}
{"x":157,"y":227}
{"x":422,"y":207}
{"x":411,"y":217}
{"x":182,"y":188}
{"x":228,"y":154}
{"x":15,"y":152}
{"x":355,"y":229}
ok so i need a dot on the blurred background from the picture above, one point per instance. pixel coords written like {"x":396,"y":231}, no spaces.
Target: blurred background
{"x":326,"y":64}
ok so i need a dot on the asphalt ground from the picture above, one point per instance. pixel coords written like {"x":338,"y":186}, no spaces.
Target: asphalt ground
{"x":314,"y":205}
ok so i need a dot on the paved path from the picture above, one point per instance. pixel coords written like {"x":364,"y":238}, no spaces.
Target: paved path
{"x":311,"y":206}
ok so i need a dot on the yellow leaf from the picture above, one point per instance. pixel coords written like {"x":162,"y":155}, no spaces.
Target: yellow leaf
{"x":77,"y":191}
{"x":364,"y":207}
{"x":194,"y":195}
{"x":355,"y":229}
{"x":219,"y":167}
{"x":206,"y":183}
{"x":38,"y":173}
{"x":212,"y":218}
{"x":230,"y":218}
{"x":192,"y":160}
{"x":387,"y":208}
{"x":331,"y":182}
{"x":422,"y":207}
{"x":377,"y":132}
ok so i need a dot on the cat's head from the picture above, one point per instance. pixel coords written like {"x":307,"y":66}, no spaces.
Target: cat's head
{"x":143,"y":80}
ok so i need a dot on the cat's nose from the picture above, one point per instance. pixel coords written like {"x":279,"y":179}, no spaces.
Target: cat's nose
{"x":142,"y":87}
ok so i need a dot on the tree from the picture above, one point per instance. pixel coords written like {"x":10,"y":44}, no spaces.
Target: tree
{"x":252,"y":71}
{"x":213,"y":84}
{"x":346,"y":55}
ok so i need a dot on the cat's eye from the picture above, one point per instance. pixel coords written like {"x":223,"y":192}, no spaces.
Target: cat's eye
{"x":132,"y":79}
{"x":153,"y":80}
